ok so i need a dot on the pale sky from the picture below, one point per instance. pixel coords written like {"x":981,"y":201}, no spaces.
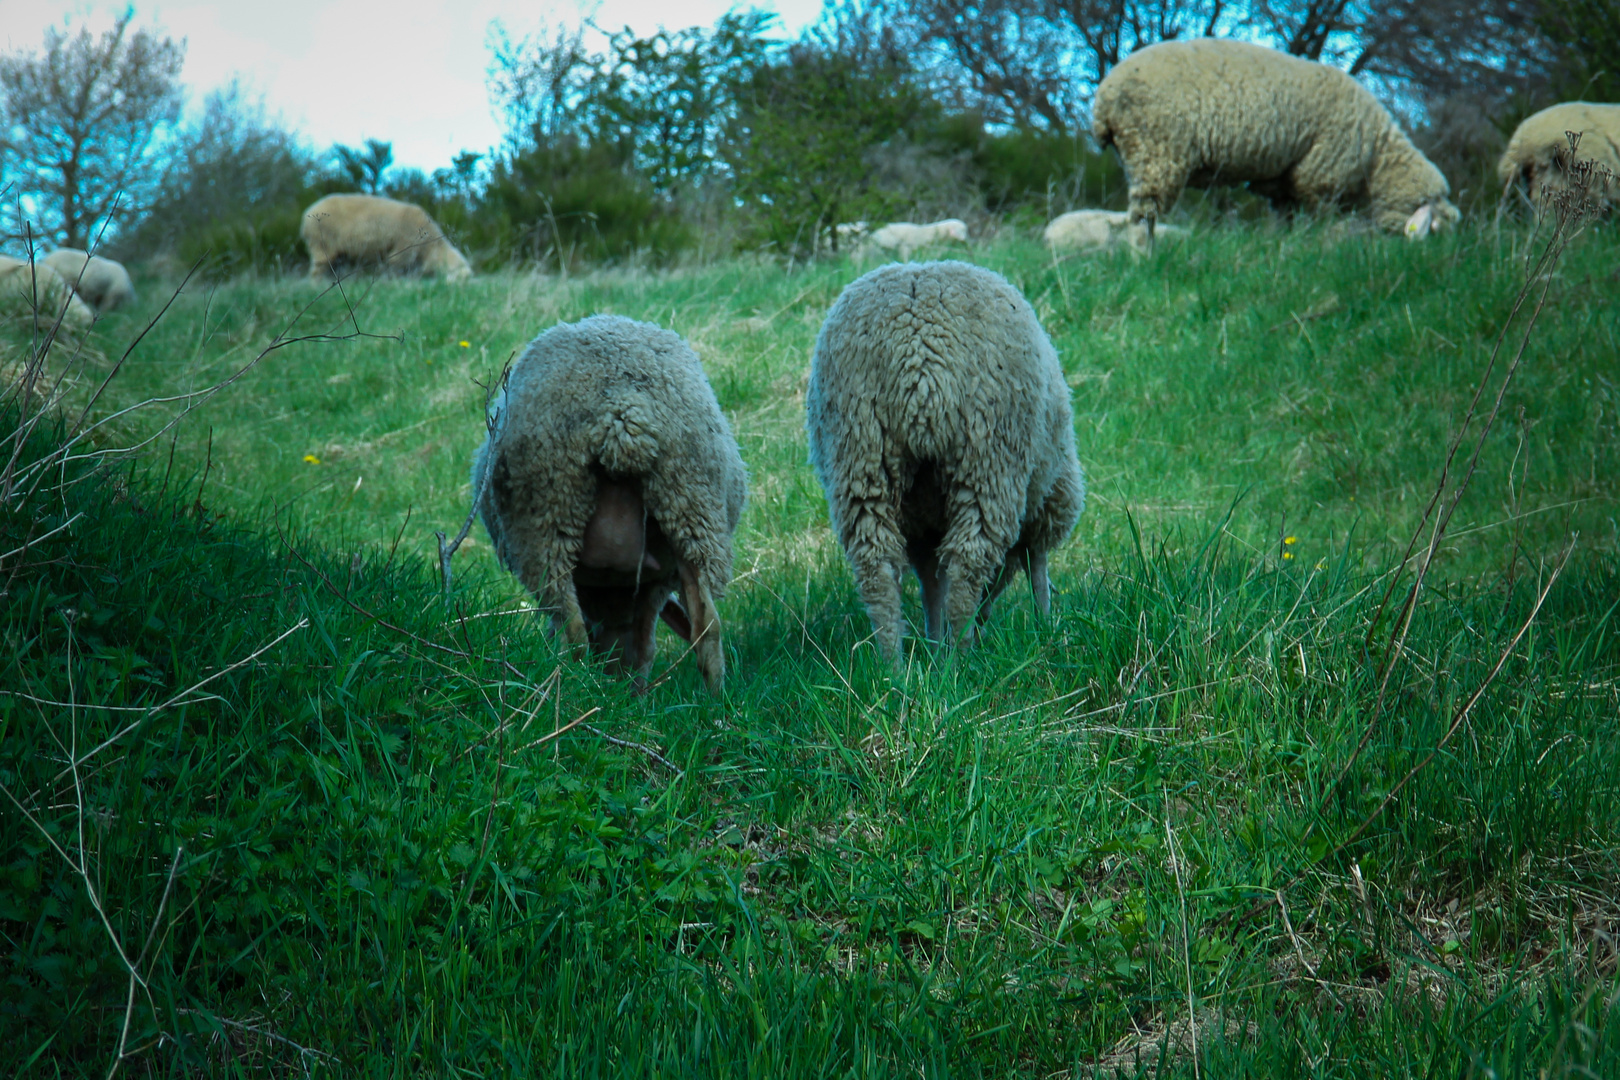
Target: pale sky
{"x":341,"y":71}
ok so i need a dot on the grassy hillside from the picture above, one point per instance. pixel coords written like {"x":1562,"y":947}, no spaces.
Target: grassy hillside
{"x":1089,"y":846}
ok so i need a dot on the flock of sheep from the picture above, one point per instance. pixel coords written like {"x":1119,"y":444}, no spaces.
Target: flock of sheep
{"x":937,"y":416}
{"x":939,"y":425}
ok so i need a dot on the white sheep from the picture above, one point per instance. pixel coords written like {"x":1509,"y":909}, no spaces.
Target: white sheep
{"x":1210,"y":112}
{"x":609,"y":480}
{"x":940,"y":428}
{"x":1099,"y":230}
{"x":1539,"y":148}
{"x":38,"y":292}
{"x":905,"y":238}
{"x":369,"y":229}
{"x":100,"y":282}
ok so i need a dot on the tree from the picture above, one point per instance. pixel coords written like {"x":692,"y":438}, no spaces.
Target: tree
{"x":1431,"y":48}
{"x":83,"y":122}
{"x":365,"y":168}
{"x":1585,"y":40}
{"x":802,"y":146}
{"x":1036,"y":62}
{"x":233,"y":162}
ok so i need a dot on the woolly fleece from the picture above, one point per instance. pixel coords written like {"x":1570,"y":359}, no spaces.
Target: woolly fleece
{"x":1209,"y":112}
{"x":1529,"y":154}
{"x":1098,"y":230}
{"x":905,"y":237}
{"x":940,"y":428}
{"x":371,"y":229}
{"x":100,"y":282}
{"x":609,"y":395}
{"x":21,"y":291}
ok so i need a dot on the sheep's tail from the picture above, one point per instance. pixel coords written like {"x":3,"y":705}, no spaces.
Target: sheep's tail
{"x":626,"y":445}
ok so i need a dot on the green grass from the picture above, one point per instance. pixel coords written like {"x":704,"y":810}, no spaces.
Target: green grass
{"x":981,"y":866}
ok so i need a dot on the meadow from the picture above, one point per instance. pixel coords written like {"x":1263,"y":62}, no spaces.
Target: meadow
{"x":1216,"y":816}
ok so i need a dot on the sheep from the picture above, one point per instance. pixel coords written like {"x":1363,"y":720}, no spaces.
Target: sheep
{"x":904,"y":237}
{"x":1532,"y":155}
{"x":940,"y":428}
{"x":609,"y":480}
{"x":100,"y":282}
{"x":371,"y":229}
{"x":1100,"y":230}
{"x":39,"y":293}
{"x":1210,"y":112}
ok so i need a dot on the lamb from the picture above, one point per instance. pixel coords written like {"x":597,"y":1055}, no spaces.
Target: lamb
{"x":904,"y":237}
{"x":100,"y":282}
{"x":940,"y":429}
{"x":1099,"y":230}
{"x":1209,"y":112}
{"x":373,"y":230}
{"x":39,"y":293}
{"x":609,"y":480}
{"x":1537,"y":144}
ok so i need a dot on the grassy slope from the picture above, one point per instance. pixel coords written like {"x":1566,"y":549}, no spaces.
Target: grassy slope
{"x":965,"y":870}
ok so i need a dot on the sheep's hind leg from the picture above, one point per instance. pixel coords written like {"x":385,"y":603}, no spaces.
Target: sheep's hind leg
{"x":934,"y":591}
{"x":703,"y":626}
{"x":1040,"y":584}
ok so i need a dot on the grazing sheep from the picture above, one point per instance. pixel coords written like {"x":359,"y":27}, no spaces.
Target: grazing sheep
{"x":1209,"y":112}
{"x":39,"y":293}
{"x":1532,"y":154}
{"x":904,"y":237}
{"x":1099,"y":230}
{"x":102,"y":283}
{"x":610,"y":480}
{"x":373,"y":230}
{"x":940,"y":428}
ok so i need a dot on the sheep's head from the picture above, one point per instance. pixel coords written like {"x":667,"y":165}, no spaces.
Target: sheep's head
{"x":1434,"y":216}
{"x":627,"y":574}
{"x":955,"y":229}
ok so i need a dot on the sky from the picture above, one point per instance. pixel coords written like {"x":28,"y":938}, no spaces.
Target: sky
{"x":342,"y":71}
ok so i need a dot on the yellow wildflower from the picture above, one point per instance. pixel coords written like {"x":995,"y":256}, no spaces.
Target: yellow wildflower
{"x":1288,"y":554}
{"x":466,"y":345}
{"x":1290,"y":539}
{"x":312,"y":459}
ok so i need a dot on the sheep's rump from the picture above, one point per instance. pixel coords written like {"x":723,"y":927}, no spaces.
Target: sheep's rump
{"x":1213,"y":112}
{"x":598,"y":420}
{"x":1537,"y":144}
{"x":372,"y":231}
{"x":38,"y":293}
{"x":940,"y":427}
{"x":101,"y":282}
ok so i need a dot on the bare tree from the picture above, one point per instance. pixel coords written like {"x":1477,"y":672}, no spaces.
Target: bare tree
{"x":1433,"y":48}
{"x":1036,"y":62}
{"x":234,"y":161}
{"x":83,"y":120}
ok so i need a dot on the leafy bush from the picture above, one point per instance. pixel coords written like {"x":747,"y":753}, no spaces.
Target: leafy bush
{"x":802,"y":145}
{"x":566,"y":200}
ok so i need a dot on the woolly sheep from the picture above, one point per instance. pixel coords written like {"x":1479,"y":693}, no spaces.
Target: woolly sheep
{"x":100,"y":282}
{"x":371,"y":229}
{"x":904,"y":237}
{"x":609,"y":480}
{"x":1530,"y":153}
{"x":1209,"y":112}
{"x":940,"y":428}
{"x":1101,"y":230}
{"x":40,"y":295}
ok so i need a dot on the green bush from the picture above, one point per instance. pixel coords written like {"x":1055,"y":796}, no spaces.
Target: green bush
{"x":567,"y":201}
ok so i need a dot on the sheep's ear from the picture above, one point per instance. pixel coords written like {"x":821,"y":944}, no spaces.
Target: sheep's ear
{"x":1421,"y":222}
{"x":704,"y":627}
